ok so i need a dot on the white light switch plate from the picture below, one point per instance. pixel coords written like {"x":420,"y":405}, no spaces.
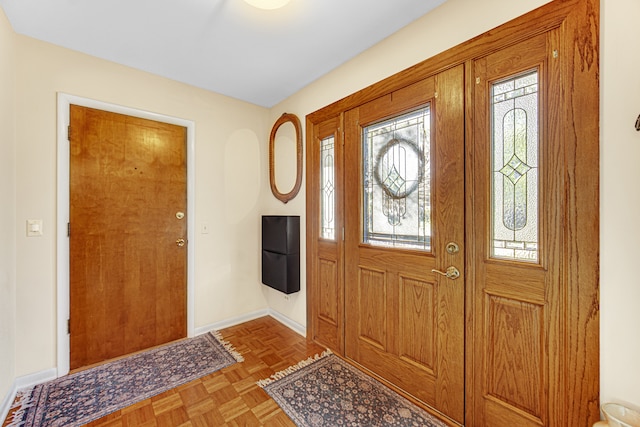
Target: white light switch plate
{"x":34,"y":227}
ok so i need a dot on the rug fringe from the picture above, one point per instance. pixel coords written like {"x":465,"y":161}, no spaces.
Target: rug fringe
{"x":18,"y":410}
{"x":291,"y":369}
{"x":228,"y":346}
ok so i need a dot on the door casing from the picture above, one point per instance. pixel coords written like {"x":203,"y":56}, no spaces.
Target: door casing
{"x":62,"y":241}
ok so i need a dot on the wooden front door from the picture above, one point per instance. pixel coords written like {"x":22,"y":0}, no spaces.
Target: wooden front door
{"x":404,"y":230}
{"x":127,"y":234}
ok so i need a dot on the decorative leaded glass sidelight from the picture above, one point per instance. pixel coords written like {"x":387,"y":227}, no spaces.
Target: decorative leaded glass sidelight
{"x":327,"y":189}
{"x":515,"y":183}
{"x":396,"y":181}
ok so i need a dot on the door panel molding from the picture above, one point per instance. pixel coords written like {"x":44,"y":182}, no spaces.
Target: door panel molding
{"x":418,"y":338}
{"x":62,"y":242}
{"x":372,"y":291}
{"x":515,"y":337}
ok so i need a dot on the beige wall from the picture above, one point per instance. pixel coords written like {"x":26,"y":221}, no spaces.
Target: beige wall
{"x":229,"y":152}
{"x":7,"y":208}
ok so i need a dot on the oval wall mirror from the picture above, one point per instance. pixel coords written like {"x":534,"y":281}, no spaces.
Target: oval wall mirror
{"x":284,"y":119}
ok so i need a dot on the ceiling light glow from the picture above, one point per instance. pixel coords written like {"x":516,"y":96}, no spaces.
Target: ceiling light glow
{"x":268,"y":4}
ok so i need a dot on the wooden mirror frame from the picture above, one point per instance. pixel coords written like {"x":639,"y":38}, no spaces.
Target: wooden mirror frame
{"x":285,"y":197}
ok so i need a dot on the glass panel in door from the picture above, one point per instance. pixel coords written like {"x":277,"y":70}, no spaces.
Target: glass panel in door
{"x":515,"y":152}
{"x":396,"y":181}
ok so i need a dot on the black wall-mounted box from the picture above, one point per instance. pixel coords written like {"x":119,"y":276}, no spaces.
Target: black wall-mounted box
{"x":281,"y":252}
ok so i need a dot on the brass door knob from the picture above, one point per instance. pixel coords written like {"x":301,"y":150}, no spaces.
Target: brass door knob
{"x":451,"y":273}
{"x":180,"y":242}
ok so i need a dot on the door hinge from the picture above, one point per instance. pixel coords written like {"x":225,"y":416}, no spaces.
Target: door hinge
{"x":68,"y":229}
{"x":69,"y":326}
{"x":69,"y":133}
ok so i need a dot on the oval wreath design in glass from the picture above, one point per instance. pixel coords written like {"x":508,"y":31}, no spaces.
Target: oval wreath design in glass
{"x":399,"y":163}
{"x":293,"y":119}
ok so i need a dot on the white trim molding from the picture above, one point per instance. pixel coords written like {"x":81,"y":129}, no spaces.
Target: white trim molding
{"x":21,"y":383}
{"x":233,"y":321}
{"x":291,"y":324}
{"x":64,"y":103}
{"x":227,"y":323}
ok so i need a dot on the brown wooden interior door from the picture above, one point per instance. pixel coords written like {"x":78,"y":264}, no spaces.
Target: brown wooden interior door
{"x":127,"y":265}
{"x":405,"y":322}
{"x":518,"y":194}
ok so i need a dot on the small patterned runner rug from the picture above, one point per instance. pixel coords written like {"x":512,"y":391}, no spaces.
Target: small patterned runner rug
{"x":327,"y":391}
{"x":76,"y":399}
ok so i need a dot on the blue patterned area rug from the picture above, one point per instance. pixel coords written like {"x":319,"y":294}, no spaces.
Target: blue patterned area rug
{"x":76,"y":399}
{"x":327,"y":391}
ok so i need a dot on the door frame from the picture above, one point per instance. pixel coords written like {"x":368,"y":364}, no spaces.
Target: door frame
{"x":62,"y":240}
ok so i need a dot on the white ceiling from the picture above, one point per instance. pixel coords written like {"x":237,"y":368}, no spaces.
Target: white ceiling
{"x":225,"y":46}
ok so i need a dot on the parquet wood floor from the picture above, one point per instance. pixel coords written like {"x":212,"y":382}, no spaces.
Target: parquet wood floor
{"x":229,"y":397}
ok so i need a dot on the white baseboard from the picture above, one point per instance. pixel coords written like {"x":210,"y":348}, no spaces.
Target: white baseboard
{"x":36,"y":378}
{"x":291,"y":324}
{"x":24,"y":382}
{"x":231,"y":322}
